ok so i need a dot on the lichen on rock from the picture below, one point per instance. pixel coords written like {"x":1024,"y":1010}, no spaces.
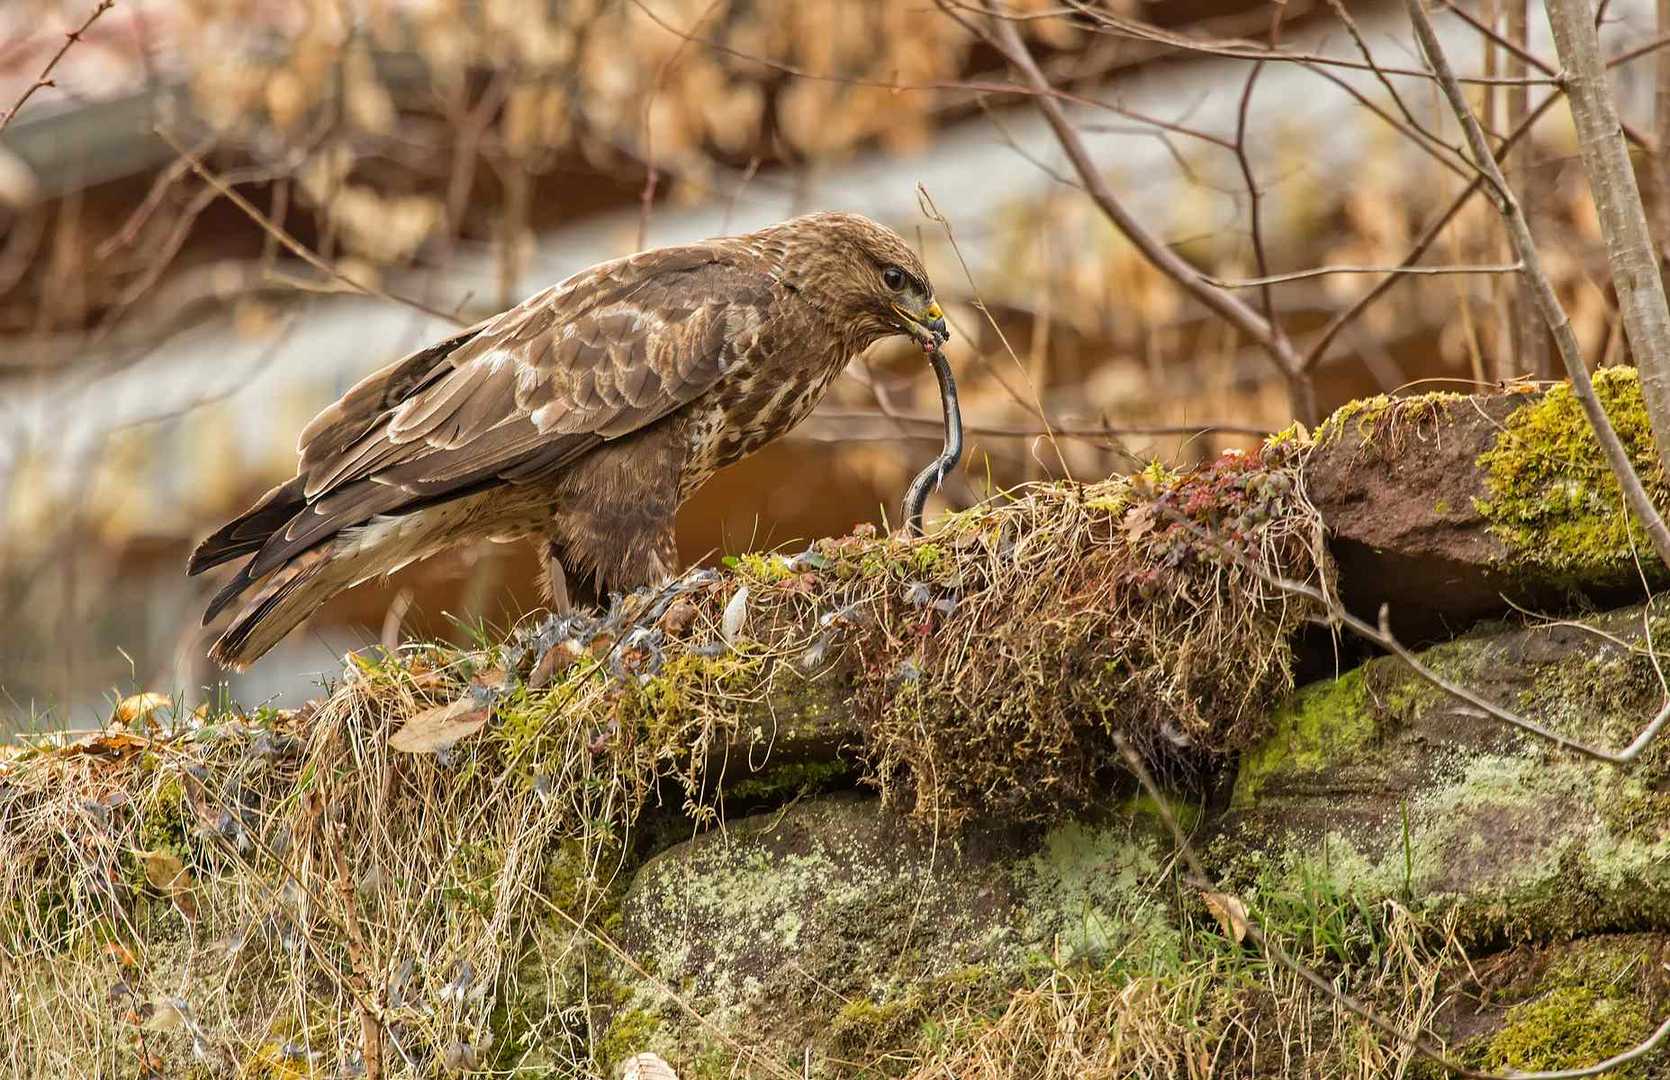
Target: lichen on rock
{"x":1385,"y":786}
{"x":804,"y":926}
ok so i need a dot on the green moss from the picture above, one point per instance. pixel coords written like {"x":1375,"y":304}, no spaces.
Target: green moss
{"x":1293,"y":436}
{"x":897,"y":1030}
{"x":1312,"y":729}
{"x":1383,"y":419}
{"x":1552,"y":499}
{"x":163,"y":818}
{"x":1144,"y":807}
{"x":761,"y":566}
{"x":1569,"y":1027}
{"x":630,"y":1031}
{"x":927,"y":557}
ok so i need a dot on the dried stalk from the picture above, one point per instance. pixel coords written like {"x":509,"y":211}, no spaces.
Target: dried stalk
{"x":1548,"y":303}
{"x":1623,"y":219}
{"x":371,"y":1030}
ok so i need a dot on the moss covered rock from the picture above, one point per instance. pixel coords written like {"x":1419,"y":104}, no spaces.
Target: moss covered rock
{"x":1448,"y":507}
{"x":834,"y":923}
{"x":1563,"y":1005}
{"x":1386,"y":788}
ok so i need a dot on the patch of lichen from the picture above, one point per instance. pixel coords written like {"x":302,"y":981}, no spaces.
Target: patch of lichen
{"x":1607,"y":698}
{"x":836,"y":924}
{"x":1551,"y":496}
{"x":1459,"y":815}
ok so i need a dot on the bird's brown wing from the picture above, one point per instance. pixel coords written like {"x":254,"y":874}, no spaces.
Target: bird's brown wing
{"x":600,"y":356}
{"x":345,"y":420}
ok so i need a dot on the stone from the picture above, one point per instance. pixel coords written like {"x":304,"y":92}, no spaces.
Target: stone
{"x":805,"y":925}
{"x":1377,"y":786}
{"x":1452,"y":508}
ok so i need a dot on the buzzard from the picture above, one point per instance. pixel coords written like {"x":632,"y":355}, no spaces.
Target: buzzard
{"x":580,"y":419}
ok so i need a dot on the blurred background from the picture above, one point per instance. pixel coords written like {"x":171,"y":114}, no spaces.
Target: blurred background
{"x":396,"y":166}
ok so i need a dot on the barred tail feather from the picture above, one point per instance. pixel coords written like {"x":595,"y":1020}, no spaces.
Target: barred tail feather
{"x":288,"y":597}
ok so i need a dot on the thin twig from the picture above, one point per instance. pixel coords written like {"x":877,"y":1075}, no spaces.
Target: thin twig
{"x":1323,"y":271}
{"x":1647,"y":143}
{"x":44,"y":79}
{"x":1248,"y":50}
{"x":1255,"y":197}
{"x":1380,"y":75}
{"x":295,"y":246}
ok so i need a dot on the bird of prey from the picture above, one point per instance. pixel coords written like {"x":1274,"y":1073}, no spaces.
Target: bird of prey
{"x":580,"y":419}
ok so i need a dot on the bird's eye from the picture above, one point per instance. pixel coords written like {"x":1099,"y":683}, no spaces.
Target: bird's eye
{"x":893,"y":278}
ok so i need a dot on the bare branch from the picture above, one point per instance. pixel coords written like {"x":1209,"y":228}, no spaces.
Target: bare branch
{"x":1623,"y":220}
{"x":1255,"y":197}
{"x":1380,"y":73}
{"x":295,"y":246}
{"x":44,"y":79}
{"x":1548,"y":302}
{"x":1517,"y":50}
{"x":1007,"y":40}
{"x":1236,"y":49}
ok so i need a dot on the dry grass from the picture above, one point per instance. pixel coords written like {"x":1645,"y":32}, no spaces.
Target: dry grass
{"x":259,"y":891}
{"x":1218,"y":1013}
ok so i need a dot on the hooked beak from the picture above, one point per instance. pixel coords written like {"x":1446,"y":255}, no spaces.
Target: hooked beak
{"x":926,"y":326}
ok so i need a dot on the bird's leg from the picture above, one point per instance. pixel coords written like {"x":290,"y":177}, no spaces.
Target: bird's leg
{"x":556,"y":581}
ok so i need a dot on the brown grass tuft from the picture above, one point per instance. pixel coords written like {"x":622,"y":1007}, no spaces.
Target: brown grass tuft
{"x":254,"y":891}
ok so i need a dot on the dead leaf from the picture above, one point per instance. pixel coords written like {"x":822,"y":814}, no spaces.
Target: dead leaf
{"x":116,"y":742}
{"x":169,"y":876}
{"x":164,"y":1016}
{"x":494,"y":680}
{"x":1138,"y":522}
{"x":436,"y":729}
{"x":136,"y":707}
{"x":555,"y":661}
{"x":1230,"y":912}
{"x":121,"y":954}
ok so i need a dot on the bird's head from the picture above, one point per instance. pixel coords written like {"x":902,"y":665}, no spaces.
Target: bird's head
{"x":865,"y":274}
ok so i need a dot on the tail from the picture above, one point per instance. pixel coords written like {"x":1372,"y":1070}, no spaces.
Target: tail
{"x":289,"y":596}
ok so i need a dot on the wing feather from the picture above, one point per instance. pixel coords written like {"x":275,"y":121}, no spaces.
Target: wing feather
{"x":520,"y":397}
